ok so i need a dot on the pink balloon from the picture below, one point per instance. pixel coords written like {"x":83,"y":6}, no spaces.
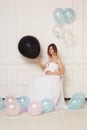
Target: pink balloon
{"x":13,"y":109}
{"x":35,"y":108}
{"x":10,"y":99}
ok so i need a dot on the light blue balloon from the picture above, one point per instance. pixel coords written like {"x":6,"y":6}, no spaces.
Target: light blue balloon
{"x":58,"y":15}
{"x":24,"y":102}
{"x":77,"y":101}
{"x":47,"y":105}
{"x":2,"y":105}
{"x":69,"y":15}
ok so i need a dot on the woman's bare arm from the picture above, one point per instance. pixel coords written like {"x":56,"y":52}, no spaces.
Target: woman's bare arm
{"x":36,"y":60}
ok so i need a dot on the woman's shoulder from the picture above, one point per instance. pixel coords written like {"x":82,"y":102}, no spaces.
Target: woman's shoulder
{"x":58,"y":60}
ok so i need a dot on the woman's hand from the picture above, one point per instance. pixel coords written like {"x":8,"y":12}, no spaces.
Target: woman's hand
{"x":36,"y":60}
{"x":48,"y":72}
{"x":52,"y":73}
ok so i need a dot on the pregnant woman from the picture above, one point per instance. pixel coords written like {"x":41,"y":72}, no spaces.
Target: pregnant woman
{"x":49,"y":84}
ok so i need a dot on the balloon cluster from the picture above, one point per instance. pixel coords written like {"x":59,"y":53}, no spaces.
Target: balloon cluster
{"x":63,"y":34}
{"x":67,"y":15}
{"x":15,"y":106}
{"x":62,"y":16}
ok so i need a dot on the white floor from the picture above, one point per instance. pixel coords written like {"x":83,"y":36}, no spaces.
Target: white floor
{"x":56,"y":120}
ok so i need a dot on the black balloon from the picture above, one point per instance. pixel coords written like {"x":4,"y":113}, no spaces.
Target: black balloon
{"x":29,"y":46}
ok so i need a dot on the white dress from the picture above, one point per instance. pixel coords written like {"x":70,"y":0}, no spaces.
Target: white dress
{"x":48,"y":86}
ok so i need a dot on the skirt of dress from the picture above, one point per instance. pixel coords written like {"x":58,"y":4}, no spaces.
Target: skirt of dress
{"x":48,"y":86}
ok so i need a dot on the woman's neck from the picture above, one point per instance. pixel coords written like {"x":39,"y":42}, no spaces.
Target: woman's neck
{"x":53,"y":58}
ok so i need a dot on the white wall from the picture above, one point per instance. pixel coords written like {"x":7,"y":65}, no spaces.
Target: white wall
{"x":35,"y":17}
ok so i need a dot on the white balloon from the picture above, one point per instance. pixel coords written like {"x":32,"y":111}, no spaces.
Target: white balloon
{"x":67,"y":37}
{"x":57,"y":32}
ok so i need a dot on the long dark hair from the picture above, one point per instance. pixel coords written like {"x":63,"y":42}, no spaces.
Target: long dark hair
{"x":54,"y":47}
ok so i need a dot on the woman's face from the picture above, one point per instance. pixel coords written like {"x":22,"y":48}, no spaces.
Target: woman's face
{"x":51,"y":50}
